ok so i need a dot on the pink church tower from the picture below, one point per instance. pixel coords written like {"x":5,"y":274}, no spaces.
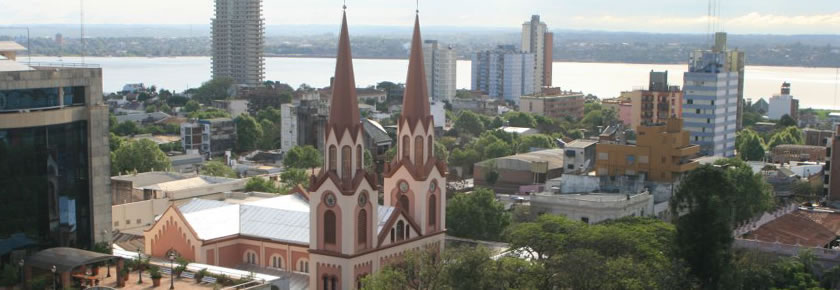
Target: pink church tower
{"x":351,"y":235}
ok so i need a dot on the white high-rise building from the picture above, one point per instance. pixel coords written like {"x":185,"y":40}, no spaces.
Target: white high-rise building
{"x":710,"y":105}
{"x":783,"y":104}
{"x":440,"y":67}
{"x":503,"y":73}
{"x":537,"y":40}
{"x":238,"y":39}
{"x":288,"y":127}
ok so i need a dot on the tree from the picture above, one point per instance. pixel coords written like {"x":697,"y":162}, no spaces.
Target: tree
{"x":248,"y":133}
{"x":497,"y":149}
{"x":703,"y":213}
{"x":293,"y":177}
{"x":302,"y":157}
{"x":786,"y":121}
{"x":750,"y":145}
{"x":209,"y":114}
{"x":192,"y":106}
{"x":520,"y":119}
{"x":750,"y":118}
{"x":271,"y":135}
{"x":468,"y":123}
{"x":465,"y":158}
{"x":789,"y":135}
{"x":259,"y":184}
{"x":127,"y":128}
{"x":115,"y":142}
{"x":476,"y":215}
{"x":217,"y":168}
{"x":215,"y":89}
{"x":535,"y":141}
{"x":270,"y":114}
{"x":140,"y":156}
{"x":441,"y":153}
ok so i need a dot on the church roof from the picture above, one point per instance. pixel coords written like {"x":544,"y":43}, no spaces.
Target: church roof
{"x":343,"y":112}
{"x":283,"y":219}
{"x":416,"y":96}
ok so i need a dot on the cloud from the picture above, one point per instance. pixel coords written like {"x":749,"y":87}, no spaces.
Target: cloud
{"x":753,"y":22}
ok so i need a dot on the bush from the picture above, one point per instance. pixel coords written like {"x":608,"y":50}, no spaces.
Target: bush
{"x":200,"y":275}
{"x":10,"y":276}
{"x":154,"y":271}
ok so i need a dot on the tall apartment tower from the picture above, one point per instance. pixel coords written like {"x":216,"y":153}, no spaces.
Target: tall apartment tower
{"x":440,"y":70}
{"x":537,"y":40}
{"x":504,"y":73}
{"x":238,"y":39}
{"x":54,"y":157}
{"x":832,"y":166}
{"x":711,"y":103}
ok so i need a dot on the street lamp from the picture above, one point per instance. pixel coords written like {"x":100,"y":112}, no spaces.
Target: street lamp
{"x":22,"y":282}
{"x":53,"y":275}
{"x":139,"y":267}
{"x":171,"y":271}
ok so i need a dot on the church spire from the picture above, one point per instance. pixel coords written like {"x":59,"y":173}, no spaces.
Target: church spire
{"x":344,"y":112}
{"x":416,"y":97}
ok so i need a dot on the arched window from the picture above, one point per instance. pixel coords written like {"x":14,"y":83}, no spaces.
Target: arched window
{"x":329,"y":227}
{"x":404,"y":204}
{"x":392,"y":235}
{"x":400,"y":230}
{"x":431,"y":147}
{"x":432,"y":210}
{"x":346,"y":161}
{"x":362,"y":231}
{"x":250,"y":257}
{"x":277,"y":262}
{"x":332,"y":158}
{"x":418,"y":150}
{"x":405,"y":146}
{"x":407,"y":231}
{"x":303,"y":266}
{"x":359,"y":157}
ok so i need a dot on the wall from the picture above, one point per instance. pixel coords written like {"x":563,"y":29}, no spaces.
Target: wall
{"x":592,"y":208}
{"x":236,"y":185}
{"x":143,"y":211}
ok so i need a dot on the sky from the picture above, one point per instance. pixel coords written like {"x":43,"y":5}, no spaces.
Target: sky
{"x":667,"y":16}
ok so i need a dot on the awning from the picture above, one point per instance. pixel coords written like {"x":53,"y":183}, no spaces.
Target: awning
{"x":65,"y":259}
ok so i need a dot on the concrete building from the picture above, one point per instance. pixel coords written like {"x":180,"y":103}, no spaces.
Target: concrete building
{"x":786,"y":153}
{"x":712,"y":88}
{"x":662,"y":153}
{"x":814,"y":137}
{"x":580,"y":156}
{"x":537,"y":40}
{"x":655,"y":105}
{"x":238,"y":35}
{"x":783,"y":104}
{"x":520,"y":170}
{"x":54,"y":156}
{"x":503,"y":73}
{"x":832,"y":166}
{"x":234,"y":107}
{"x":623,"y":108}
{"x":377,"y":142}
{"x":288,"y":127}
{"x":210,"y":137}
{"x":554,"y":103}
{"x":440,"y":70}
{"x":592,"y":208}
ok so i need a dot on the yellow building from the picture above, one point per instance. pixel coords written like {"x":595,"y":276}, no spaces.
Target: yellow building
{"x":663,"y":152}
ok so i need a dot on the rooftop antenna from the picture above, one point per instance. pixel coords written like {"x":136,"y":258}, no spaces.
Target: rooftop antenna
{"x":345,"y":5}
{"x":417,"y":4}
{"x":82,"y":27}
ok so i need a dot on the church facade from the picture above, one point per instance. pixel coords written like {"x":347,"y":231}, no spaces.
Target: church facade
{"x":335,"y":230}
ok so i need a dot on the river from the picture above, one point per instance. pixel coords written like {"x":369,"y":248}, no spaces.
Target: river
{"x":814,"y":87}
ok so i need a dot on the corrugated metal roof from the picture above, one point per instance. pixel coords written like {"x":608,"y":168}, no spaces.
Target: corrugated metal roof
{"x":197,"y":204}
{"x":284,"y":218}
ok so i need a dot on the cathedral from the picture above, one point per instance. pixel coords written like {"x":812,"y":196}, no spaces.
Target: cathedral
{"x":334,"y":231}
{"x":352,"y":235}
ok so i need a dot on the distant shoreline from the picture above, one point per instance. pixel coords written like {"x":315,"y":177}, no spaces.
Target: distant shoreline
{"x":23,"y":56}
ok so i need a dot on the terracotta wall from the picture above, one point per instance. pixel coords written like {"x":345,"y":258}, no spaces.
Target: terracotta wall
{"x":171,"y":234}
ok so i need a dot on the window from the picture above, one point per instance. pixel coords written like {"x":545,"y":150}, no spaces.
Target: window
{"x":404,"y":204}
{"x":303,"y":266}
{"x":362,"y":231}
{"x":332,"y":158}
{"x":139,"y":221}
{"x":250,"y":257}
{"x":584,"y":219}
{"x":432,"y":210}
{"x":277,"y":262}
{"x":603,"y":156}
{"x":127,"y":222}
{"x":117,"y":223}
{"x":407,"y":231}
{"x":631,"y":159}
{"x":329,"y":227}
{"x":392,"y":235}
{"x":418,"y":150}
{"x":690,"y":102}
{"x":405,"y":146}
{"x":346,"y":161}
{"x":359,"y":157}
{"x":431,"y":147}
{"x":400,"y":230}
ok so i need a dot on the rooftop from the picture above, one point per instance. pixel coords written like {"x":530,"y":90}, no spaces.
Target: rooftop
{"x":554,"y":157}
{"x":801,"y":227}
{"x":517,"y":130}
{"x":194,"y":182}
{"x":581,"y":143}
{"x":11,"y":46}
{"x":151,"y":178}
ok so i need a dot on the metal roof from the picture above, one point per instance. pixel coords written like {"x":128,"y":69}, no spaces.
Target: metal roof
{"x":65,"y":259}
{"x":284,"y":218}
{"x":376,"y":132}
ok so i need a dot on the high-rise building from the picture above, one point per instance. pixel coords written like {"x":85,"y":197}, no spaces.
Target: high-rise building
{"x":832,"y":166}
{"x":238,"y":33}
{"x":440,"y":70}
{"x":783,"y":104}
{"x":655,"y":105}
{"x":537,"y":40}
{"x":734,"y":61}
{"x":54,"y":156}
{"x":711,"y":101}
{"x":503,"y":73}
